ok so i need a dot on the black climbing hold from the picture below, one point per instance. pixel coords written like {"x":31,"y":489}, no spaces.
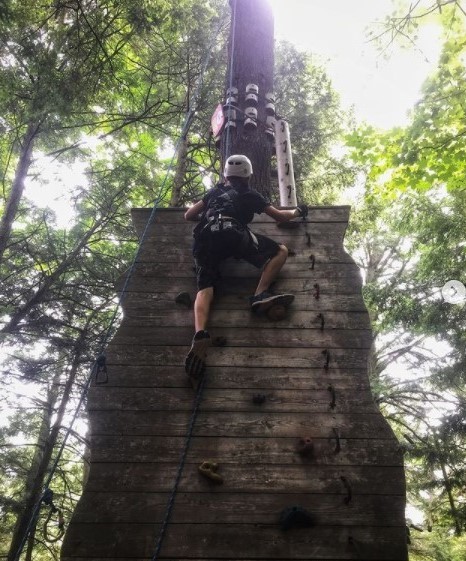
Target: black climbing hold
{"x":322,"y":321}
{"x":296,"y":517}
{"x":305,"y":447}
{"x":258,"y":398}
{"x":316,"y":291}
{"x":308,"y":239}
{"x":349,"y":492}
{"x":333,"y":403}
{"x":336,"y":432}
{"x":313,"y":261}
{"x":184,"y":298}
{"x":326,"y":353}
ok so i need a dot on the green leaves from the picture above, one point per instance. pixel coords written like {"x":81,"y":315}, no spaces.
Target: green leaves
{"x":409,"y":235}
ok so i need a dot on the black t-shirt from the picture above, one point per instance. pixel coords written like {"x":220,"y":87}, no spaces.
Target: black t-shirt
{"x":241,"y":205}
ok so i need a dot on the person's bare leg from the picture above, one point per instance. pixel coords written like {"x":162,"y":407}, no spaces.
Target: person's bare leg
{"x":272,"y":269}
{"x":202,"y":305}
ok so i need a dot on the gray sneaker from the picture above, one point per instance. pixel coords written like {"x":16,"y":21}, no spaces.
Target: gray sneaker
{"x":264,"y":301}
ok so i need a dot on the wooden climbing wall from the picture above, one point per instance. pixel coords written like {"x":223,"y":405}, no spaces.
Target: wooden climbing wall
{"x":312,"y":370}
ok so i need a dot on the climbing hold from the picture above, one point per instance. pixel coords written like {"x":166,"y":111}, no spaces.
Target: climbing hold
{"x":326,"y":353}
{"x":313,"y":261}
{"x":336,"y":432}
{"x":252,"y":91}
{"x":316,"y":291}
{"x":277,"y":312}
{"x":270,"y":104}
{"x":349,"y":492}
{"x":250,"y":121}
{"x":258,"y":398}
{"x":305,"y":447}
{"x":333,"y":403}
{"x":308,"y":239}
{"x":184,"y":298}
{"x":296,"y":517}
{"x":322,"y":321}
{"x":209,"y":470}
{"x":355,"y":545}
{"x":230,"y":114}
{"x":270,"y":128}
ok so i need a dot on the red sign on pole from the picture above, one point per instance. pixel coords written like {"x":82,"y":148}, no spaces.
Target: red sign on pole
{"x":218,"y":120}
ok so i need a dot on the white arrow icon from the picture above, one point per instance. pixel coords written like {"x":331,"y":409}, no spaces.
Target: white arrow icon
{"x":454,"y":292}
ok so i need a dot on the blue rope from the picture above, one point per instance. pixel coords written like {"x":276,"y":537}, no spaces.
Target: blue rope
{"x":159,"y":197}
{"x":179,"y":472}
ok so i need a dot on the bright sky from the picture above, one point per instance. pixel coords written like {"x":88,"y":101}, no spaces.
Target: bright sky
{"x":381,"y":90}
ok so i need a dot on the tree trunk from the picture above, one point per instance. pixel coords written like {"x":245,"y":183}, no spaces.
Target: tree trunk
{"x":451,"y":500}
{"x":46,"y":445}
{"x":180,"y":173}
{"x":17,"y":188}
{"x":251,"y":61}
{"x":35,"y":474}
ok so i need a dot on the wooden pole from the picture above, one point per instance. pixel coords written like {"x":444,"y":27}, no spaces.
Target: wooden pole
{"x":250,"y":73}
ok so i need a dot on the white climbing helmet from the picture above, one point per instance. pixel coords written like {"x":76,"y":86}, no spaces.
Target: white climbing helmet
{"x":238,"y":165}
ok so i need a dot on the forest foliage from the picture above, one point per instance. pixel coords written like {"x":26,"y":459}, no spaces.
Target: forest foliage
{"x":103,"y":89}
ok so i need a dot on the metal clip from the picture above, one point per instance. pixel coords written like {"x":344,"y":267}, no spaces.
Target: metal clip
{"x":100,"y":367}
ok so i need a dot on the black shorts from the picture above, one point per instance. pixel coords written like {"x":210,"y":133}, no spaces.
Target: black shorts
{"x":210,"y":252}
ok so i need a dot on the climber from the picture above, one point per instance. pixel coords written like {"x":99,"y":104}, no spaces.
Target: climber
{"x":222,"y":232}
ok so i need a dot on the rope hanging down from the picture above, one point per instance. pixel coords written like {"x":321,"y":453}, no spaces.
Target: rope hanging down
{"x":99,"y":365}
{"x":179,"y":471}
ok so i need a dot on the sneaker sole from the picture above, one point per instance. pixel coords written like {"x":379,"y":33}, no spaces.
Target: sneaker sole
{"x":277,"y":300}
